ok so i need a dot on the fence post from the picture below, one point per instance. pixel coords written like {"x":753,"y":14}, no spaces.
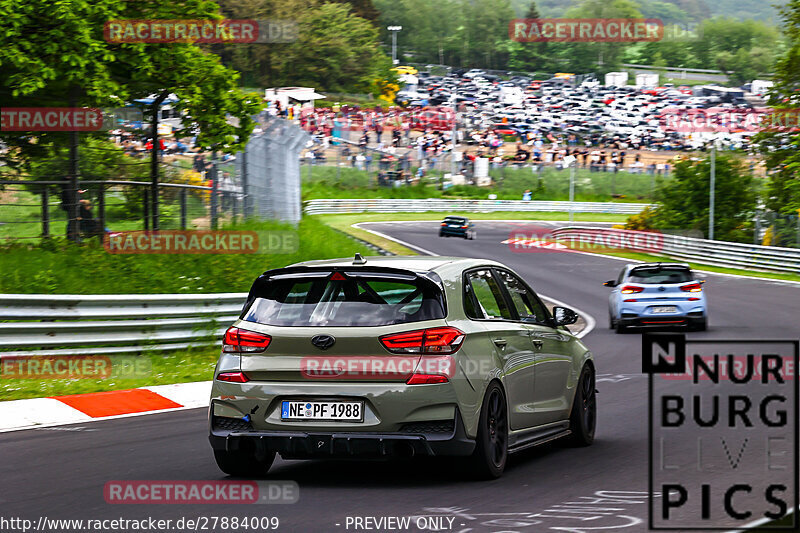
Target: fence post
{"x":213,"y":202}
{"x":146,"y":209}
{"x":45,"y":211}
{"x":183,"y":208}
{"x":234,"y":206}
{"x":246,"y":207}
{"x":101,"y":207}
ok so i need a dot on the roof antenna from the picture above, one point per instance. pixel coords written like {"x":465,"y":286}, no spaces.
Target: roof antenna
{"x":359,"y":260}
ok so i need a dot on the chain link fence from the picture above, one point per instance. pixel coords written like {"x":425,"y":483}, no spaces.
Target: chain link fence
{"x":193,"y":192}
{"x":32,"y":210}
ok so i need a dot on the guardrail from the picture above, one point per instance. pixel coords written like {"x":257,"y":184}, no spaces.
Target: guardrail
{"x":715,"y":253}
{"x":379,"y":205}
{"x":40,"y":324}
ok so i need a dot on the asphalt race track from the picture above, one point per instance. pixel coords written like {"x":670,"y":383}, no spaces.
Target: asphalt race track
{"x":60,"y":472}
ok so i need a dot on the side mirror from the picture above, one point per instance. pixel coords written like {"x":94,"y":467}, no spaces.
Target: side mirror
{"x":610,"y":283}
{"x":564,"y":316}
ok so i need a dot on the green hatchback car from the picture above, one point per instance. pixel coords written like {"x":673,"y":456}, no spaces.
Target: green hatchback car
{"x":397,"y":356}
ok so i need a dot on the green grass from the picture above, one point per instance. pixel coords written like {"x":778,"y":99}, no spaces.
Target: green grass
{"x":183,"y":366}
{"x":509,"y":184}
{"x":57,"y":266}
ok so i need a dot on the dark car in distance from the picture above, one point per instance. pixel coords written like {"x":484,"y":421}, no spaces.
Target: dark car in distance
{"x":457,"y":227}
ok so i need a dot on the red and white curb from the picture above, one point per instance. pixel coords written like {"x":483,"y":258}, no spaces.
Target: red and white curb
{"x":76,"y":408}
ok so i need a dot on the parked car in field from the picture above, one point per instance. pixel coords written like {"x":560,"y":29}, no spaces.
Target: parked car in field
{"x":457,"y":227}
{"x":657,"y":295}
{"x":397,"y":356}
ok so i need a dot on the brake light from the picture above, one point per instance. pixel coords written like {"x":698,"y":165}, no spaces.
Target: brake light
{"x":426,"y":379}
{"x":630,"y":289}
{"x":692,"y":287}
{"x":445,"y":340}
{"x":243,"y":341}
{"x":233,"y":377}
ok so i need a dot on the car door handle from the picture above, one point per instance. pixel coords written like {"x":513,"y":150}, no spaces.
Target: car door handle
{"x":538,"y":344}
{"x":500,"y":342}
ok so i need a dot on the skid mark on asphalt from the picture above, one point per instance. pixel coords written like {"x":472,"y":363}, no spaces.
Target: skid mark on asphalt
{"x":605,"y":510}
{"x":616,"y":378}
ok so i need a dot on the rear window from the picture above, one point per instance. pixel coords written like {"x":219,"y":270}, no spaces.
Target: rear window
{"x":664,"y":275}
{"x":455,"y":220}
{"x":354,"y":301}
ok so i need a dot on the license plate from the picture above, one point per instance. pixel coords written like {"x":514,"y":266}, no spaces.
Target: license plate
{"x":665,"y":309}
{"x":299,"y":410}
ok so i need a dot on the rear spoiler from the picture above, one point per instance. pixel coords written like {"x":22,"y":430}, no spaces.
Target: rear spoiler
{"x":659,"y":266}
{"x":348,"y":270}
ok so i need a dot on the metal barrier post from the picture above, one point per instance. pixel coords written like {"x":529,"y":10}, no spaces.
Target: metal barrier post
{"x":146,"y":209}
{"x":183,"y":208}
{"x":45,"y":211}
{"x":213,"y":206}
{"x":101,"y":208}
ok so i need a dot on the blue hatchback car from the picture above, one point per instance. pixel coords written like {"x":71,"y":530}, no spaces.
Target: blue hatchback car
{"x":657,"y":295}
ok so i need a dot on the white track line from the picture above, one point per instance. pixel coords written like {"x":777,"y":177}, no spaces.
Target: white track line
{"x":738,"y":276}
{"x":590,"y":321}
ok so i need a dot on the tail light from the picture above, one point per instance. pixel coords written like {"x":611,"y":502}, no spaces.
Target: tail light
{"x":243,"y":341}
{"x":426,"y":379}
{"x":233,"y":377}
{"x":445,"y":340}
{"x":630,"y":289}
{"x":444,"y":223}
{"x":692,"y":287}
{"x":693,"y":299}
{"x":464,"y":227}
{"x":631,"y":300}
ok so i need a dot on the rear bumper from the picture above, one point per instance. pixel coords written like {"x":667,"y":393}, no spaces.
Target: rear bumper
{"x":321,"y":444}
{"x":690,"y":319}
{"x":454,"y":232}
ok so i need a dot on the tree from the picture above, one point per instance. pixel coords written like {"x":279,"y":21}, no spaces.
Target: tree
{"x":728,"y":36}
{"x":52,"y":53}
{"x":336,"y":50}
{"x":684,"y":200}
{"x":529,"y":56}
{"x":597,"y":57}
{"x":781,"y":149}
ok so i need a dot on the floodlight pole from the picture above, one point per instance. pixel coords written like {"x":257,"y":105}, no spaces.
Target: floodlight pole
{"x":712,"y":187}
{"x":571,"y":188}
{"x":394,"y":30}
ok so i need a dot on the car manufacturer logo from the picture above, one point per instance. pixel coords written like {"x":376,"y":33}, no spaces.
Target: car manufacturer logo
{"x":662,"y":289}
{"x":323,"y":342}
